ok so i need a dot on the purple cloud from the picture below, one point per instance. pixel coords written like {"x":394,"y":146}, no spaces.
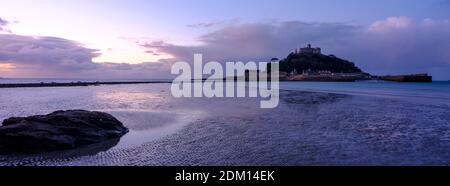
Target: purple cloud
{"x":3,"y":22}
{"x":205,"y":24}
{"x":258,"y":42}
{"x":57,"y":57}
{"x":3,"y":25}
{"x":213,"y":24}
{"x":395,"y":45}
{"x":399,"y":45}
{"x":42,"y":51}
{"x":391,"y":46}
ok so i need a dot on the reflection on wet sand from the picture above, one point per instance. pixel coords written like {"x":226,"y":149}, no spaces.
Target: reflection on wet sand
{"x":125,"y":96}
{"x":146,"y":126}
{"x":87,"y":150}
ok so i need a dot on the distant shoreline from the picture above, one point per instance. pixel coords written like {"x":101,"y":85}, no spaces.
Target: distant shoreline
{"x":97,"y":83}
{"x":76,"y":84}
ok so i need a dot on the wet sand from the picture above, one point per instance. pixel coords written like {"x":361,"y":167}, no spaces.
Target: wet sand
{"x":306,"y":129}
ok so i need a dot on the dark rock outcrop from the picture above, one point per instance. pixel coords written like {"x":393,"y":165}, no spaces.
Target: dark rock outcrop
{"x":408,"y":78}
{"x":60,"y":130}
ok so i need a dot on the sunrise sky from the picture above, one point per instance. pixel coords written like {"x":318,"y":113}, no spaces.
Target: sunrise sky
{"x":141,"y":38}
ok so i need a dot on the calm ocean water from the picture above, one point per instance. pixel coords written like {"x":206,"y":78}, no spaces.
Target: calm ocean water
{"x":436,"y":92}
{"x":68,"y":80}
{"x":305,"y":129}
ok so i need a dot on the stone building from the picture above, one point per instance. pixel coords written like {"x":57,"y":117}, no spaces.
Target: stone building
{"x":308,"y":50}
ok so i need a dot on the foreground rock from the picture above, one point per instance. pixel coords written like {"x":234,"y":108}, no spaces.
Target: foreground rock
{"x":60,"y":130}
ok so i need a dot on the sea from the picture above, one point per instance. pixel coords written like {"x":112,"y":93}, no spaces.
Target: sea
{"x":316,"y":123}
{"x":437,"y":91}
{"x":438,"y":88}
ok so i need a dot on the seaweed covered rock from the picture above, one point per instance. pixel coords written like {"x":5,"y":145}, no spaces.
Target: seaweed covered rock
{"x":60,"y":130}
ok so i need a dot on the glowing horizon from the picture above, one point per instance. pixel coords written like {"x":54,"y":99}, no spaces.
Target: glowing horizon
{"x":141,"y":31}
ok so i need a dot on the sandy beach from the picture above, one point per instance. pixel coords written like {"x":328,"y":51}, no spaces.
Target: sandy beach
{"x":307,"y":128}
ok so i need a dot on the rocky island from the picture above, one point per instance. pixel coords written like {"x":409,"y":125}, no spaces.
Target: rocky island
{"x":310,"y":64}
{"x":60,"y":130}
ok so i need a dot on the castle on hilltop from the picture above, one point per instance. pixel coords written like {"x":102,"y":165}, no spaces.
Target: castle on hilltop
{"x":308,"y":50}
